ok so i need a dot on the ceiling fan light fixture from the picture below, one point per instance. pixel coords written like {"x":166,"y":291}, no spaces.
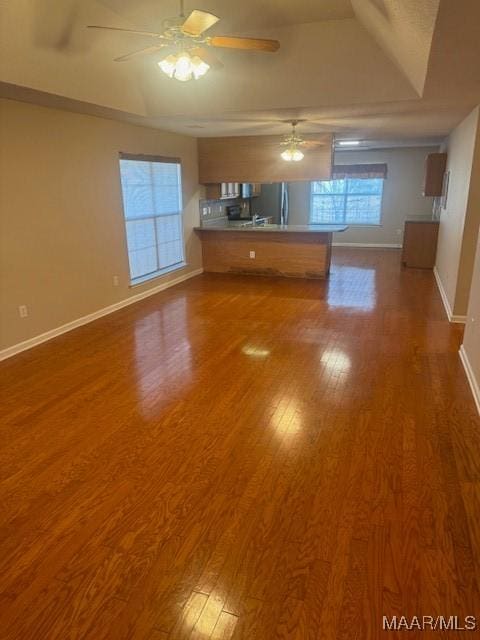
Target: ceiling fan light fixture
{"x":183,"y":66}
{"x":292,"y":155}
{"x":199,"y":67}
{"x":292,"y":142}
{"x":190,"y":45}
{"x":167,"y":65}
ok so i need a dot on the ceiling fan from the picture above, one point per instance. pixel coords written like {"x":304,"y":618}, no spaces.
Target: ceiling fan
{"x":187,"y":48}
{"x":294,"y":143}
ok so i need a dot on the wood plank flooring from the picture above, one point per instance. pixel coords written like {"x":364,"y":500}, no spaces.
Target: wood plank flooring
{"x":244,"y":458}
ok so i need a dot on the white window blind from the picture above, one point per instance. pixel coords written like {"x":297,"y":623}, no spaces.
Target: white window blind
{"x":152,"y":204}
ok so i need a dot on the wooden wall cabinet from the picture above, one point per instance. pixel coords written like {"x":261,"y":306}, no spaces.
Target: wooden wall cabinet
{"x":222,"y":191}
{"x":420,"y":243}
{"x":435,"y":166}
{"x":226,"y":190}
{"x":257,"y":159}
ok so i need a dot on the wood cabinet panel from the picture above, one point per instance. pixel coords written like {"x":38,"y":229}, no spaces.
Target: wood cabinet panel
{"x":213,"y":191}
{"x":277,"y":254}
{"x":257,"y":159}
{"x":420,"y":244}
{"x":435,"y":165}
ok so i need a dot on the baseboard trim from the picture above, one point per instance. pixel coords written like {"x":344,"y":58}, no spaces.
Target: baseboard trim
{"x":470,"y":377}
{"x":451,"y":316}
{"x":363,"y":245}
{"x":69,"y":326}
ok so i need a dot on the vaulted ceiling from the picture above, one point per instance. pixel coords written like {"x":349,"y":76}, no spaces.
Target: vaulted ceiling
{"x":366,"y":68}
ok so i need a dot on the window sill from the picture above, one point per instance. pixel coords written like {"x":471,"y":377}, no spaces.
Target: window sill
{"x":362,"y":226}
{"x":157,"y":274}
{"x":350,"y":225}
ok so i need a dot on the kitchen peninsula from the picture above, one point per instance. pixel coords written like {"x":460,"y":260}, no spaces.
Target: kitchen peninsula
{"x":302,"y":251}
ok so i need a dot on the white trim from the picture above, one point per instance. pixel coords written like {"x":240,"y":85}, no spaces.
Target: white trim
{"x":470,"y":376}
{"x":364,"y":245}
{"x":443,"y":294}
{"x":53,"y":333}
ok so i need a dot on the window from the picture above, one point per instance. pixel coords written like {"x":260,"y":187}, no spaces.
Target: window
{"x":349,"y":200}
{"x":152,"y":204}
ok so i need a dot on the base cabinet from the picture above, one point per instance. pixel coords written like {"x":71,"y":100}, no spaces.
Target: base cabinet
{"x":263,"y":253}
{"x":420,"y":244}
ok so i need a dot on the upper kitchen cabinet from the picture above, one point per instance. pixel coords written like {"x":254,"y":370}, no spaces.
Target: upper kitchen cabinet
{"x":435,"y":165}
{"x":228,"y":190}
{"x":223,"y":191}
{"x":257,"y":159}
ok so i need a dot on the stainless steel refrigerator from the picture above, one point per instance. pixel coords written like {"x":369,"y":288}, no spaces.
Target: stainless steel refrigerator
{"x":273,"y":201}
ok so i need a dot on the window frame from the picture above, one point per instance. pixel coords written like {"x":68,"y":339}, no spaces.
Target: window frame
{"x":345,"y":194}
{"x":134,"y":282}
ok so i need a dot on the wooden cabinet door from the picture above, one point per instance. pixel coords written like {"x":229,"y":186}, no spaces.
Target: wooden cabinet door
{"x":435,"y":165}
{"x":222,"y":191}
{"x":420,"y":244}
{"x":213,"y":192}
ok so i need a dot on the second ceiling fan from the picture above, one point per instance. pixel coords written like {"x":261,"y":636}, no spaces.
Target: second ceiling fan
{"x":188,"y":50}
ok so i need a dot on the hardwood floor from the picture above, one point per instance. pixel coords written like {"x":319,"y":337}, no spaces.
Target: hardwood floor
{"x":244,"y":458}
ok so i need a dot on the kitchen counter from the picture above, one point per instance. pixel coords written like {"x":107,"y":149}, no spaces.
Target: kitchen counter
{"x":275,"y":228}
{"x":302,"y":251}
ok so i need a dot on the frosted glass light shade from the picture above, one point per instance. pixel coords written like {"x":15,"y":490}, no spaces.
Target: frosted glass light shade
{"x":183,"y":67}
{"x":292,"y":155}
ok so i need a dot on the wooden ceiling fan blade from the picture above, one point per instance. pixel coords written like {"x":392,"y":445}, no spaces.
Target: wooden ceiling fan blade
{"x":310,"y":144}
{"x":208,"y":57}
{"x":198,"y":22}
{"x":248,"y":44}
{"x":150,"y":34}
{"x":140,"y":52}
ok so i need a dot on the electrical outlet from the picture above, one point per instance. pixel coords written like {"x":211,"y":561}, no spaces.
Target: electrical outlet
{"x":252,"y":255}
{"x":399,"y":232}
{"x":23,"y":311}
{"x":115,"y":281}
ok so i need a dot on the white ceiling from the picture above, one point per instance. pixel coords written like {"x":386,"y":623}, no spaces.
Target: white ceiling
{"x":235,"y":16}
{"x":373,"y":69}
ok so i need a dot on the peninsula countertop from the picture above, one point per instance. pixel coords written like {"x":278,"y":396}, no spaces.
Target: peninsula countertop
{"x":293,"y":250}
{"x":276,"y":228}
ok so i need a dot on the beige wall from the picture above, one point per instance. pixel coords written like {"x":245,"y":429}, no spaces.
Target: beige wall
{"x":62,"y":229}
{"x":459,"y":221}
{"x":468,"y":272}
{"x":402,"y":195}
{"x":471,"y":338}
